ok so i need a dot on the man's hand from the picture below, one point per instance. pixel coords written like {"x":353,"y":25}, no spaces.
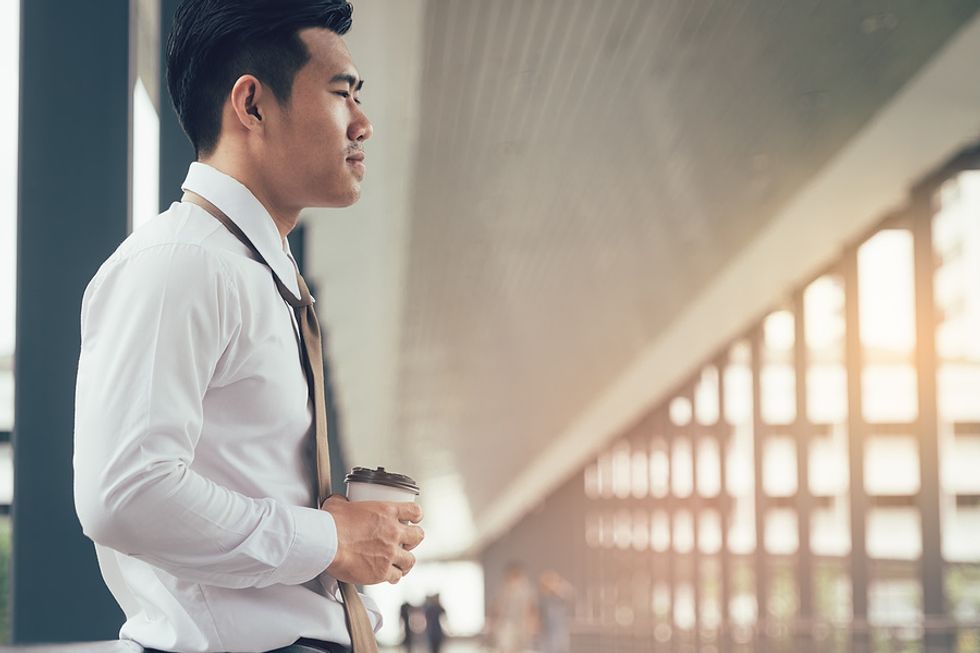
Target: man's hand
{"x":373,"y":539}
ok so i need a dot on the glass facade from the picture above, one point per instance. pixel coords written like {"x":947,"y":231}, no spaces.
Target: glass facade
{"x":815,"y":486}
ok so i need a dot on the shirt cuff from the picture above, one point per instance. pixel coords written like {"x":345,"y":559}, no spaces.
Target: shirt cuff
{"x":314,"y":546}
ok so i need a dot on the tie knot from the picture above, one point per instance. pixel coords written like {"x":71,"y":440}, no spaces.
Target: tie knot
{"x":304,"y":299}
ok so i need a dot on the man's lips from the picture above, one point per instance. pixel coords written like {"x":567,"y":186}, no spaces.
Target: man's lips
{"x":356,"y":161}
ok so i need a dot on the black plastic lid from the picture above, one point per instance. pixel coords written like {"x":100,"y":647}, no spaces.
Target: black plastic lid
{"x":380,"y":477}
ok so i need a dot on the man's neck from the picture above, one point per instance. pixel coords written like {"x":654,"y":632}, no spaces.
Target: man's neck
{"x":285,"y":219}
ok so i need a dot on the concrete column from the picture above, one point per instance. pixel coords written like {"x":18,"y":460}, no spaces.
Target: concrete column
{"x":73,"y":211}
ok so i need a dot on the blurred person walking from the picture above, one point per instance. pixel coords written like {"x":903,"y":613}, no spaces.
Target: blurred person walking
{"x":514,"y":616}
{"x":434,"y":631}
{"x":405,"y":613}
{"x":556,"y":603}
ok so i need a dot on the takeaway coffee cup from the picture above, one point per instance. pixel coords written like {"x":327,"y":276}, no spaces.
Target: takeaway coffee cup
{"x":365,"y":484}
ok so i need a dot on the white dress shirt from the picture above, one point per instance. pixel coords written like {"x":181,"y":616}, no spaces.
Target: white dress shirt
{"x":194,"y":439}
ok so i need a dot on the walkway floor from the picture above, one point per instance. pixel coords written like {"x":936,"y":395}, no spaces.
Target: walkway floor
{"x":450,"y":647}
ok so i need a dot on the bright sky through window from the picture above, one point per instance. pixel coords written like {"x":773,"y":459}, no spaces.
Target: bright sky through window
{"x":146,"y":156}
{"x":9,"y":74}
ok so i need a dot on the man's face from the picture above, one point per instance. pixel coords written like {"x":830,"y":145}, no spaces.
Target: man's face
{"x":313,"y":152}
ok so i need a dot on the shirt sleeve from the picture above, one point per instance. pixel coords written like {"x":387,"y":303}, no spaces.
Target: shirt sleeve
{"x":155,"y":325}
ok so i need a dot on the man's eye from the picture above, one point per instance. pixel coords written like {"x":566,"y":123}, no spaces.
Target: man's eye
{"x":345,"y":94}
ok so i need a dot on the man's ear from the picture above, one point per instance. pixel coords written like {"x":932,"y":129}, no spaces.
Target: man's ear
{"x":247,"y":98}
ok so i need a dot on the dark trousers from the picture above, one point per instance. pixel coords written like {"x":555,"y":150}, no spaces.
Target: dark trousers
{"x":304,"y":645}
{"x":301,"y":645}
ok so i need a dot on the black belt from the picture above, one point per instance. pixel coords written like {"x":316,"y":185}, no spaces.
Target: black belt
{"x":320,"y":645}
{"x":296,"y":647}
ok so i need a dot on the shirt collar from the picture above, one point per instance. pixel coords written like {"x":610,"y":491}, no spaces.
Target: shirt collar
{"x":245,"y":210}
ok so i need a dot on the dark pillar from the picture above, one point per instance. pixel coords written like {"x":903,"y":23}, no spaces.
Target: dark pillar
{"x":932,"y":570}
{"x":298,"y":244}
{"x":803,"y":430}
{"x":73,"y":211}
{"x":725,"y":505}
{"x":695,"y":435}
{"x":176,"y":152}
{"x":760,"y":559}
{"x":856,"y":429}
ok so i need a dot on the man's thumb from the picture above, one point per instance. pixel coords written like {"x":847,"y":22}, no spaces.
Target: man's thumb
{"x":335,"y":497}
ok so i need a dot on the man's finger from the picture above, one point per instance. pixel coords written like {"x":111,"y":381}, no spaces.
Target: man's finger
{"x":409,"y":512}
{"x":404,"y":561}
{"x":334,"y":498}
{"x":394,"y":575}
{"x":413,"y":537}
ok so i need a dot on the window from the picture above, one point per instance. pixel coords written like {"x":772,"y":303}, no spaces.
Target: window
{"x":9,"y":79}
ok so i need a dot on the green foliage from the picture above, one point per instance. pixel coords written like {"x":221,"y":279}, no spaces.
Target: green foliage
{"x":5,"y":580}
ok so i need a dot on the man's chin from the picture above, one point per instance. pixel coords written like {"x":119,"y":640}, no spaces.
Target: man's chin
{"x":355,"y":194}
{"x":340,"y":200}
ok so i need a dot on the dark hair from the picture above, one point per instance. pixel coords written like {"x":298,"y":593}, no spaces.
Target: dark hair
{"x":214,"y":42}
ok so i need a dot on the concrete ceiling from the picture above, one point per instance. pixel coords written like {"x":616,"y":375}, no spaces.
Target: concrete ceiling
{"x":550,"y":184}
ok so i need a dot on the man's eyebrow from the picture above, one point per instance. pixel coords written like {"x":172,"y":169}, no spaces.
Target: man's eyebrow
{"x":350,"y":79}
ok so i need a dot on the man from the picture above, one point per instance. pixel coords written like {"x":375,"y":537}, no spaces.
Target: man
{"x":434,"y":631}
{"x":556,"y":599}
{"x":405,"y":613}
{"x":514,"y":615}
{"x":194,"y":448}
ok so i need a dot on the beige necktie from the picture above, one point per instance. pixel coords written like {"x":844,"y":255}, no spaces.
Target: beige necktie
{"x":358,"y":623}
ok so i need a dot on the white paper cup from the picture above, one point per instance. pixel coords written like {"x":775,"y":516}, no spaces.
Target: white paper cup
{"x":365,"y":484}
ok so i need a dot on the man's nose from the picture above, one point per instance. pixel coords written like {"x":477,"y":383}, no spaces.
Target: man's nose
{"x":361,"y":128}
